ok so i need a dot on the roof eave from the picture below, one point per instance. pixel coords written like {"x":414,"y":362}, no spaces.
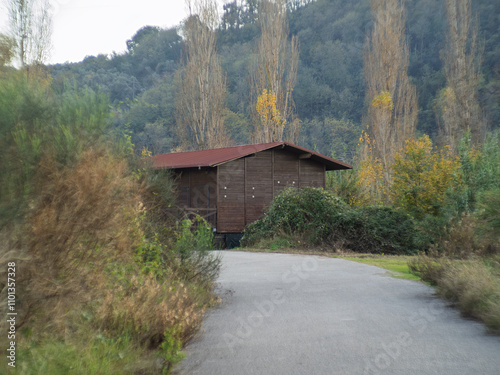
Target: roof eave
{"x":248,"y":153}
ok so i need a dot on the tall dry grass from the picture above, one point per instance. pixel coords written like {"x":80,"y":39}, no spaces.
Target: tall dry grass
{"x":80,"y":268}
{"x":81,"y":219}
{"x":472,"y":284}
{"x":146,"y":309}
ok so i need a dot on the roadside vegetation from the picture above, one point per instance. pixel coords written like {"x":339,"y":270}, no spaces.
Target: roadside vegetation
{"x":439,"y":215}
{"x":106,"y":282}
{"x":320,"y":218}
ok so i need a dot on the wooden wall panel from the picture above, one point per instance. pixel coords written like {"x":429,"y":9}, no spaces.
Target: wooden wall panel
{"x":286,"y":170}
{"x":231,"y":197}
{"x":258,"y":185}
{"x":183,"y":188}
{"x":241,"y":190}
{"x":311,"y":174}
{"x":203,"y":188}
{"x":197,"y":192}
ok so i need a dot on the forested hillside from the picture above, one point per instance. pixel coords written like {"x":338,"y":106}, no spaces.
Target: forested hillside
{"x":329,"y":95}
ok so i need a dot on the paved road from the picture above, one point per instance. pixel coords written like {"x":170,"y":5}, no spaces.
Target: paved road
{"x":292,"y":314}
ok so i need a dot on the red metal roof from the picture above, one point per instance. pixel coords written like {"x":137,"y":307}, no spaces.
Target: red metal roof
{"x":214,"y":157}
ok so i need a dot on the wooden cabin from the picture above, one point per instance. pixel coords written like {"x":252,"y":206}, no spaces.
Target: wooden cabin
{"x":231,"y":187}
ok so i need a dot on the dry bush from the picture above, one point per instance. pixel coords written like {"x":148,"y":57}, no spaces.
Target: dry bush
{"x":492,"y":315}
{"x":470,"y":284}
{"x":82,"y":219}
{"x":90,"y":260}
{"x":427,"y":267}
{"x":461,"y":241}
{"x":147,"y":309}
{"x":473,"y":284}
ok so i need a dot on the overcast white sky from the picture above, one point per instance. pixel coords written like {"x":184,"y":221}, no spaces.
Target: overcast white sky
{"x":90,"y":27}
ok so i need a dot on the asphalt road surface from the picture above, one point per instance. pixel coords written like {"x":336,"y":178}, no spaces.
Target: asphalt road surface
{"x":293,"y":314}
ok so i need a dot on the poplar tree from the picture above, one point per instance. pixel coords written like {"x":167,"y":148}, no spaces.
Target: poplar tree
{"x":31,"y":28}
{"x":458,"y":104}
{"x":275,"y":75}
{"x":200,"y":100}
{"x":391,"y":99}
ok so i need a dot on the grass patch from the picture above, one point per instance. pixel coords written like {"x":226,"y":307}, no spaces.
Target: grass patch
{"x":398,"y":265}
{"x":85,"y":353}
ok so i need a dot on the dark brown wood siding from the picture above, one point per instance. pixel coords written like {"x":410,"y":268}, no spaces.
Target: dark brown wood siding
{"x":286,"y":170}
{"x":311,"y":174}
{"x":197,"y":190}
{"x":258,"y":185}
{"x":241,"y":190}
{"x":248,"y":185}
{"x":231,"y":197}
{"x":183,"y":189}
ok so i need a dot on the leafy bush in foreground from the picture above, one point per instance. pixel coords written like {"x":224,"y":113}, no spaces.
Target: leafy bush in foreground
{"x":103,"y":286}
{"x":319,"y":217}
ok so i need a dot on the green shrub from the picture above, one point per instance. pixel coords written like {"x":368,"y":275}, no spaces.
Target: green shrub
{"x":304,"y":211}
{"x":389,"y":231}
{"x":87,"y":230}
{"x":200,"y":239}
{"x":480,"y":171}
{"x":171,"y":348}
{"x":152,"y":258}
{"x":345,"y":184}
{"x":195,"y":262}
{"x":489,"y":216}
{"x":375,"y":230}
{"x":319,"y":217}
{"x":25,"y":110}
{"x":448,"y":223}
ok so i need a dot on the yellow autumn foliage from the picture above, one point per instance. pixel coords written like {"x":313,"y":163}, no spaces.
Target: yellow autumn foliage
{"x":371,"y":181}
{"x":422,"y":177}
{"x":145,"y":153}
{"x":266,"y":108}
{"x":370,"y":176}
{"x":383,"y":100}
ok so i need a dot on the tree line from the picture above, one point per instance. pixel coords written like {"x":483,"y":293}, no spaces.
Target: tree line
{"x":330,"y":93}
